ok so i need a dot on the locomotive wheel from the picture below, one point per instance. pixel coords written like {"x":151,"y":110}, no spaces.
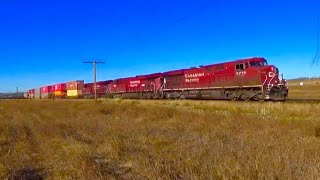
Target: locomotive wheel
{"x":161,"y":96}
{"x":246,"y":98}
{"x":182,"y":96}
{"x":277,"y":94}
{"x":233,"y":98}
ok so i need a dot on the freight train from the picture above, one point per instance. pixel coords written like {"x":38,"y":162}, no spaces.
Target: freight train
{"x":244,"y":79}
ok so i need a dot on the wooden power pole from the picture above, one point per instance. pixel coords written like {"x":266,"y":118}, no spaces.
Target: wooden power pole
{"x":94,"y":63}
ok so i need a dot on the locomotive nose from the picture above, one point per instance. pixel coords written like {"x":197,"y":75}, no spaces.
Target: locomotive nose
{"x":270,"y":70}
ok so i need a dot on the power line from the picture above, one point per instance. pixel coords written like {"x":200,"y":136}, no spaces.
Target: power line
{"x":94,"y":63}
{"x":316,"y":58}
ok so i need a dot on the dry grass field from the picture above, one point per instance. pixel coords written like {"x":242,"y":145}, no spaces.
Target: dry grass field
{"x":309,"y":90}
{"x":304,"y":92}
{"x":132,"y":139}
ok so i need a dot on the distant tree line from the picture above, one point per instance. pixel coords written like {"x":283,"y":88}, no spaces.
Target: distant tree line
{"x":306,"y":78}
{"x":11,"y":95}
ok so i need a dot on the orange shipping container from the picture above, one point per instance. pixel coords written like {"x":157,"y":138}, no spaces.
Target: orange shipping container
{"x":59,"y":93}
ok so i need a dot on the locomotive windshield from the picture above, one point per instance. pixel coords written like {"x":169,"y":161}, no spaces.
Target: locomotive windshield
{"x":258,"y":63}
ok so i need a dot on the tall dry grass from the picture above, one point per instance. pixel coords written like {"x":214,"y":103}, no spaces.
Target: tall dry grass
{"x":132,"y":139}
{"x":307,"y":91}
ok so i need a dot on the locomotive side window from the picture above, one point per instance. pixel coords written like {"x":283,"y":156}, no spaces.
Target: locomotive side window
{"x":258,"y":63}
{"x":239,"y":66}
{"x":255,"y":64}
{"x":265,"y":63}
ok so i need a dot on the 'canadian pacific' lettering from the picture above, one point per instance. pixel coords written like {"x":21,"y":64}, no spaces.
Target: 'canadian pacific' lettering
{"x":135,"y":82}
{"x":195,"y":75}
{"x":192,"y":80}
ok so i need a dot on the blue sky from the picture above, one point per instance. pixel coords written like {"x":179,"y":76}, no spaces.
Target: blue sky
{"x":45,"y":42}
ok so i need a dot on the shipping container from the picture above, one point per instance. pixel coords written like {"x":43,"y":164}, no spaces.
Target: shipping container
{"x":31,"y":93}
{"x":37,"y":90}
{"x":46,"y":92}
{"x":26,"y":95}
{"x":74,"y":93}
{"x":59,"y":90}
{"x":75,"y":85}
{"x":37,"y":93}
{"x":74,"y":89}
{"x":61,"y":94}
{"x":37,"y":96}
{"x":31,"y":96}
{"x":59,"y":87}
{"x":46,"y":89}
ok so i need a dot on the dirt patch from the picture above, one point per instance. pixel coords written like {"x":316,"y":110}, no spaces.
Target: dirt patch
{"x":30,"y":136}
{"x":27,"y":174}
{"x":111,"y":169}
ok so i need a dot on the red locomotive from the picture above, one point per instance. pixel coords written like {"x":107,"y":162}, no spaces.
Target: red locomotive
{"x":88,"y":89}
{"x":245,"y":79}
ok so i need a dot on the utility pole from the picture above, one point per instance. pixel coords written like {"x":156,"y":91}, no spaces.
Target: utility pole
{"x":94,"y":63}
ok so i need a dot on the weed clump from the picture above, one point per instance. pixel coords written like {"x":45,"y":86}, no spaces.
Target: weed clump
{"x":27,"y":174}
{"x":105,"y":111}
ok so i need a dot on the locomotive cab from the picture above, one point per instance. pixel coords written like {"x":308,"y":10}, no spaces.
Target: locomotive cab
{"x":258,"y":63}
{"x":273,"y":88}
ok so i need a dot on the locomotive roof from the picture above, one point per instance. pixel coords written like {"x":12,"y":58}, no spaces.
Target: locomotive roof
{"x":243,"y":60}
{"x":181,"y":71}
{"x":252,"y":58}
